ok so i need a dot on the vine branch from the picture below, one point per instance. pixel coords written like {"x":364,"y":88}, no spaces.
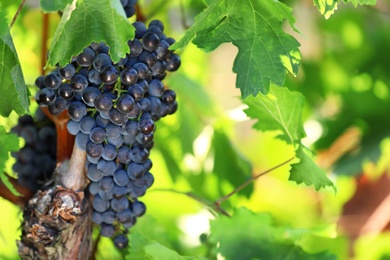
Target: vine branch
{"x":17,"y":14}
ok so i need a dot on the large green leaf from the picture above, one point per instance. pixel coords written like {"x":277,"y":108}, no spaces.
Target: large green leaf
{"x":88,"y":21}
{"x":8,"y":143}
{"x":247,"y":235}
{"x":255,"y":27}
{"x":307,"y":171}
{"x":281,"y":110}
{"x":229,"y":164}
{"x":54,"y":5}
{"x":13,"y":89}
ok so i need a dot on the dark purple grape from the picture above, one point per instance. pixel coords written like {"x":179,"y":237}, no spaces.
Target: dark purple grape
{"x":85,"y":58}
{"x":154,"y":29}
{"x":107,"y":168}
{"x":150,"y":41}
{"x":94,"y":150}
{"x":52,"y":81}
{"x":59,"y":106}
{"x":125,"y":103}
{"x":157,"y":23}
{"x":77,"y":111}
{"x":45,"y":96}
{"x":121,"y":178}
{"x":109,"y":152}
{"x":65,"y":91}
{"x":101,"y":60}
{"x":113,"y":131}
{"x":139,"y":154}
{"x":67,"y":72}
{"x":142,"y":70}
{"x":99,"y":204}
{"x":89,"y":95}
{"x":119,"y":191}
{"x":135,"y":112}
{"x":136,"y":47}
{"x":40,"y":82}
{"x":108,"y":217}
{"x":135,"y":170}
{"x":97,"y":135}
{"x":117,"y":117}
{"x":107,"y":230}
{"x":144,"y":104}
{"x":140,"y":29}
{"x":101,"y":122}
{"x":109,"y":75}
{"x":162,"y":51}
{"x":136,"y":91}
{"x":79,"y":82}
{"x":129,"y":76}
{"x":144,"y":139}
{"x":125,"y":216}
{"x":173,"y":63}
{"x":93,"y":174}
{"x":121,"y":241}
{"x":103,"y":102}
{"x":119,"y":205}
{"x":124,"y":155}
{"x":172,"y":107}
{"x":168,"y":96}
{"x":146,"y":126}
{"x":159,"y":68}
{"x":138,"y":208}
{"x":94,"y":77}
{"x":106,"y":183}
{"x":156,"y":88}
{"x":149,"y":58}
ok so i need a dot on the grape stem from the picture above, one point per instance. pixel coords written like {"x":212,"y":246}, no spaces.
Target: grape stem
{"x":222,"y":199}
{"x":16,"y":14}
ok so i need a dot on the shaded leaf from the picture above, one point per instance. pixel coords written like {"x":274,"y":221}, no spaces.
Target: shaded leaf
{"x":247,"y":235}
{"x":8,"y":142}
{"x":13,"y":89}
{"x":88,"y":21}
{"x":229,"y":164}
{"x":281,"y":110}
{"x":54,"y":5}
{"x":307,"y":171}
{"x":265,"y":50}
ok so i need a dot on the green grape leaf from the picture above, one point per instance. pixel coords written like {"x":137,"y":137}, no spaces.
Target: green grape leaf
{"x":307,"y":171}
{"x":328,"y":7}
{"x":143,"y":248}
{"x":281,"y":110}
{"x":228,"y":160}
{"x":87,"y":21}
{"x":14,"y":91}
{"x":8,"y":143}
{"x":255,"y":27}
{"x":262,"y":239}
{"x":54,"y":5}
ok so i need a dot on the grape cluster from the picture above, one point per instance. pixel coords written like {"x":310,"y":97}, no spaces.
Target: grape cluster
{"x":36,"y":161}
{"x":129,"y":7}
{"x":113,"y":108}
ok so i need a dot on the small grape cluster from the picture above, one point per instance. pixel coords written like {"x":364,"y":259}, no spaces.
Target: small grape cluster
{"x":36,"y":161}
{"x":129,"y":7}
{"x":113,"y":108}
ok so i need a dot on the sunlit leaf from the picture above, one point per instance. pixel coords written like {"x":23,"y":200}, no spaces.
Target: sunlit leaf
{"x":13,"y":89}
{"x":266,"y":52}
{"x":88,"y":21}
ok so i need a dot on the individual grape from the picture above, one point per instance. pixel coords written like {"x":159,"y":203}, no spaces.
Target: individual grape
{"x":172,"y":108}
{"x":45,"y":96}
{"x":108,"y":217}
{"x":93,"y":173}
{"x":119,"y":191}
{"x":129,"y":140}
{"x":82,"y":141}
{"x":101,"y":122}
{"x":156,"y":88}
{"x":89,"y":95}
{"x":148,"y":164}
{"x":155,"y":105}
{"x":162,"y":50}
{"x":138,"y":208}
{"x":77,"y":111}
{"x":135,"y":170}
{"x":117,"y":142}
{"x":137,"y":192}
{"x":103,"y":102}
{"x":106,"y":183}
{"x":65,"y":91}
{"x":157,"y":23}
{"x":149,"y":58}
{"x":121,"y":241}
{"x":140,"y":29}
{"x":136,"y":91}
{"x":52,"y":81}
{"x":117,"y":117}
{"x":129,"y":76}
{"x":94,"y":150}
{"x":155,"y":30}
{"x":107,"y":168}
{"x":164,"y":110}
{"x":173,"y":63}
{"x":94,"y":188}
{"x":124,"y":216}
{"x":106,"y":195}
{"x":107,"y":230}
{"x":100,"y":61}
{"x":139,"y":154}
{"x":39,"y":82}
{"x":142,"y":70}
{"x":131,"y":128}
{"x":119,"y":205}
{"x":159,"y":68}
{"x":113,"y":131}
{"x":124,"y":155}
{"x":79,"y":82}
{"x":85,"y":58}
{"x":109,"y":75}
{"x":125,"y":103}
{"x":148,"y":179}
{"x":169,"y":96}
{"x":67,"y":72}
{"x":130,"y":223}
{"x":73,"y":127}
{"x":170,"y":40}
{"x":87,"y":124}
{"x":99,"y":204}
{"x":109,"y":152}
{"x":97,"y":217}
{"x":144,"y":139}
{"x":144,"y":103}
{"x":100,"y":47}
{"x":97,"y":135}
{"x":121,"y":178}
{"x":94,"y":77}
{"x":58,"y":106}
{"x":146,"y":126}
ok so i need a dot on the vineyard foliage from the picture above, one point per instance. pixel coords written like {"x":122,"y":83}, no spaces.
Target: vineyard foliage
{"x":261,"y":84}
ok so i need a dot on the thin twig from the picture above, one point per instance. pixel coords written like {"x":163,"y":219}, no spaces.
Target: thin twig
{"x":183,"y":16}
{"x":17,"y":14}
{"x":45,"y":36}
{"x":222,"y":199}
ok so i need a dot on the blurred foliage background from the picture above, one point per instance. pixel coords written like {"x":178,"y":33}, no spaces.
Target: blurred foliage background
{"x":209,"y":148}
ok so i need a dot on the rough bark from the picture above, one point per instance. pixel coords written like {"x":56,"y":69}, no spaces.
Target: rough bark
{"x":57,"y":220}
